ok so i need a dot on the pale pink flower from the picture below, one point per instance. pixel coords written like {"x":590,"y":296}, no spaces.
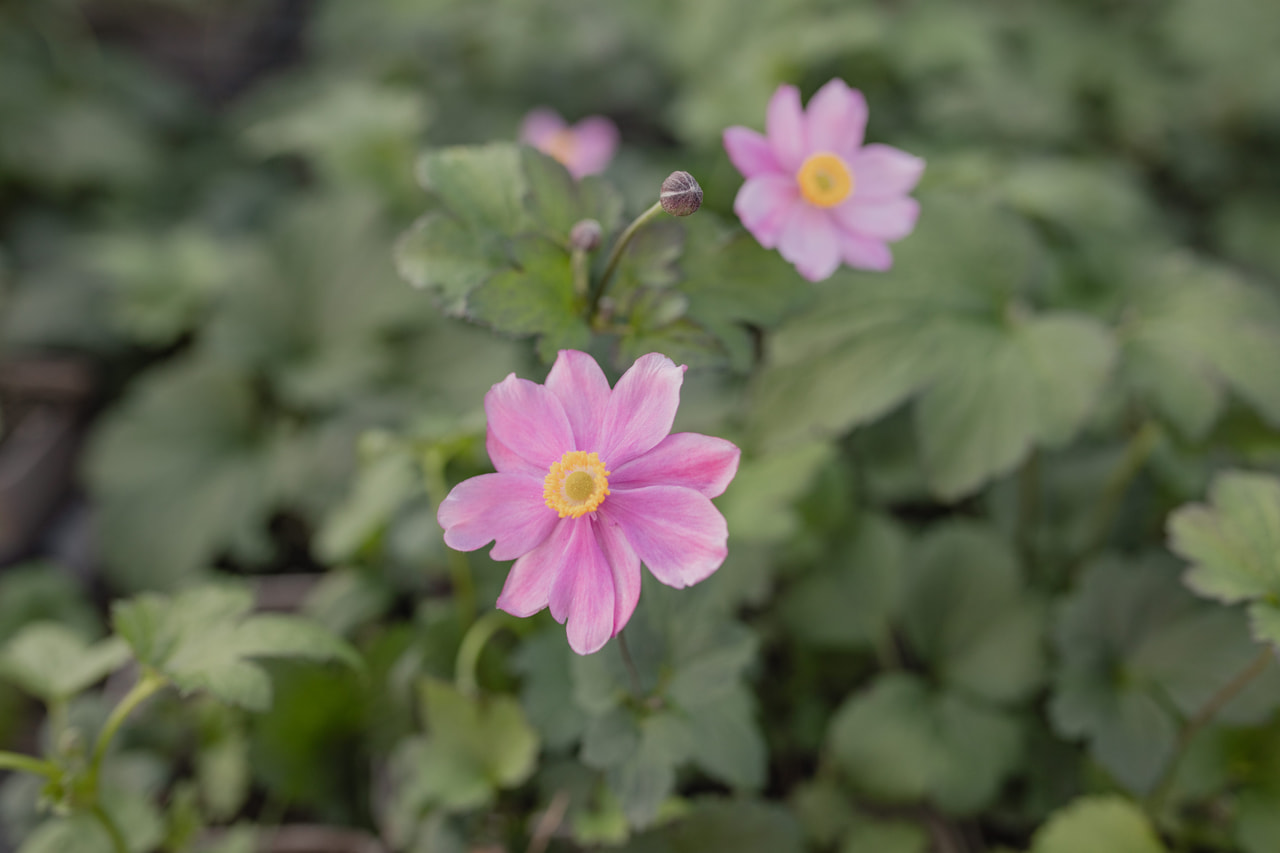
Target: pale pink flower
{"x":584,"y":149}
{"x":589,"y":483}
{"x":814,"y":191}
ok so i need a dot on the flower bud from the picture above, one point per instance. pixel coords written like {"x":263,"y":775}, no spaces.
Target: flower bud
{"x":585,"y":235}
{"x":680,"y":194}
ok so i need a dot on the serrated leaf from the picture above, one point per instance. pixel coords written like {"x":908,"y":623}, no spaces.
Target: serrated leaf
{"x":534,"y":298}
{"x":1234,"y":542}
{"x":1112,"y":824}
{"x":482,"y":184}
{"x":744,"y":826}
{"x":442,"y":254}
{"x":965,"y":611}
{"x":1134,"y":647}
{"x":556,"y":202}
{"x":54,"y":662}
{"x":1195,"y":330}
{"x":206,"y":639}
{"x":898,"y":741}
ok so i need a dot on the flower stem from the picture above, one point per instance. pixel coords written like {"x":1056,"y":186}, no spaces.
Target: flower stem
{"x":473,"y":643}
{"x":1136,"y":453}
{"x":581,"y":273}
{"x":113,"y":832}
{"x":148,"y":684}
{"x":632,"y":672}
{"x":615,"y":255}
{"x":27,"y":764}
{"x":1202,"y":718}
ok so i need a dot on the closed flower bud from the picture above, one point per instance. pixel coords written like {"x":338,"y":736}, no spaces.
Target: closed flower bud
{"x":680,"y":194}
{"x":585,"y":235}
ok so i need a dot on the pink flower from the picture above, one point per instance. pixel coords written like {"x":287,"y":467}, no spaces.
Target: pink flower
{"x":589,"y":484}
{"x":814,"y":191}
{"x":584,"y":149}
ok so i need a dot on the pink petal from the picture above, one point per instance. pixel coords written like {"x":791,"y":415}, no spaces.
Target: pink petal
{"x":785,"y":124}
{"x":837,"y":119}
{"x":540,"y":125}
{"x":526,"y":421}
{"x":880,"y":171}
{"x":750,"y":152}
{"x":700,"y":462}
{"x":764,"y":204}
{"x":641,"y":409}
{"x":581,"y":387}
{"x":810,"y":240}
{"x":678,"y":533}
{"x":508,"y":508}
{"x":626,"y":570}
{"x":890,"y":219}
{"x":528,"y":586}
{"x":865,"y":253}
{"x":594,"y":141}
{"x":582,"y":594}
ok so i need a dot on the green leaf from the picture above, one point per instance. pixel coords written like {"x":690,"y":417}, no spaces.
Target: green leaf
{"x":535,"y":298}
{"x":54,"y":662}
{"x":546,"y":693}
{"x":475,"y":748}
{"x":885,"y":836}
{"x":445,"y":255}
{"x":744,"y":826}
{"x":851,"y":602}
{"x":1234,"y":542}
{"x":556,"y":202}
{"x":1109,"y":823}
{"x":947,"y":325}
{"x":965,"y":611}
{"x":1196,"y":330}
{"x":483,"y":184}
{"x":899,"y":741}
{"x":206,"y":639}
{"x":1137,"y":650}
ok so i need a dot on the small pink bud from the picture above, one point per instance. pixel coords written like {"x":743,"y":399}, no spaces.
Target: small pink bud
{"x":585,"y":235}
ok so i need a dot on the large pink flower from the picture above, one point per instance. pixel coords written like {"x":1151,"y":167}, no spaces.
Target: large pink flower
{"x":590,"y":483}
{"x":814,"y":191}
{"x":584,"y":149}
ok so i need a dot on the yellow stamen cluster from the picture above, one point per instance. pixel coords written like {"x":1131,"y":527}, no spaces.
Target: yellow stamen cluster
{"x":824,"y":179}
{"x":576,"y":485}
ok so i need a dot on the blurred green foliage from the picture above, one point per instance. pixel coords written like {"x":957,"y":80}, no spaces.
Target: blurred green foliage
{"x":298,"y":243}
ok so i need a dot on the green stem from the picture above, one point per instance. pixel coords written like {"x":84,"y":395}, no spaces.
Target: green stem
{"x":1202,"y":718}
{"x":27,"y":764}
{"x":113,"y":831}
{"x":473,"y":643}
{"x":581,"y":277}
{"x":148,"y":684}
{"x":1136,"y":453}
{"x":615,"y":255}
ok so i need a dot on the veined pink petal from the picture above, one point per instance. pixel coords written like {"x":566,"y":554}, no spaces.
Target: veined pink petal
{"x":865,"y":253}
{"x":529,"y":582}
{"x":810,"y":240}
{"x":887,"y":219}
{"x":837,"y":119}
{"x":764,"y":204}
{"x":881,"y":171}
{"x":527,"y":419}
{"x":583,"y":595}
{"x":540,"y":125}
{"x":641,"y":409}
{"x":785,"y":125}
{"x":626,"y":570}
{"x":678,"y":533}
{"x":594,"y":141}
{"x":505,"y":507}
{"x":703,"y":463}
{"x":505,"y":459}
{"x":750,"y":152}
{"x":582,"y":388}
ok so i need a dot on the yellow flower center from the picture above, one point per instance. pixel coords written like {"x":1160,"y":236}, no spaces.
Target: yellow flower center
{"x":576,"y":485}
{"x":560,"y":146}
{"x":824,"y":179}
